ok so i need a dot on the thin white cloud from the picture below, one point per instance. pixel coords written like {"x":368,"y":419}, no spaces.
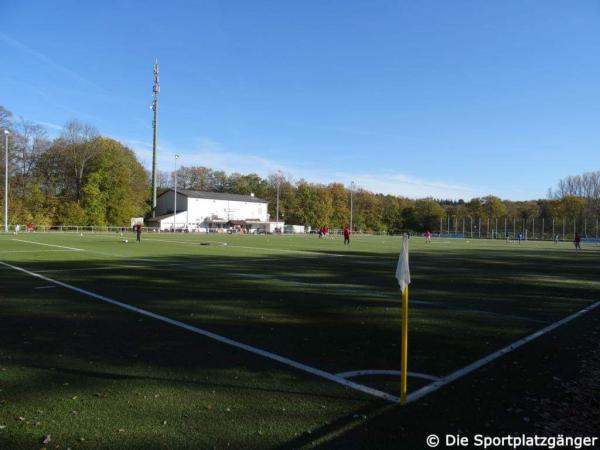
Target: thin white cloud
{"x":46,"y":60}
{"x":50,"y":125}
{"x":212,"y":154}
{"x":412,"y":187}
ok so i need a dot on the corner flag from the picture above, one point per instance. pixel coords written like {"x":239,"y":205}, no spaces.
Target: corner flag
{"x":402,"y":269}
{"x":403,"y":277}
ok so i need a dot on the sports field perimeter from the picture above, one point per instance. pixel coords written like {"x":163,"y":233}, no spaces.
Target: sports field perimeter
{"x":195,"y":341}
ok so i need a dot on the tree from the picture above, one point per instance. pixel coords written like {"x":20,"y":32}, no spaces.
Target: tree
{"x":392,"y":214}
{"x":492,"y":207}
{"x":428,"y":214}
{"x":78,"y":142}
{"x":70,"y":213}
{"x":30,"y":142}
{"x":340,"y":212}
{"x":248,"y":184}
{"x":324,"y":207}
{"x":571,"y":207}
{"x":122,"y":181}
{"x":5,"y":119}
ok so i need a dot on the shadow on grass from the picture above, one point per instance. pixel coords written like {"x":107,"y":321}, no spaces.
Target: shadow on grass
{"x":336,"y":313}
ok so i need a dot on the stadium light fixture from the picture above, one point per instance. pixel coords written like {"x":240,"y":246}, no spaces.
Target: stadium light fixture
{"x":175,"y":195}
{"x":6,"y":133}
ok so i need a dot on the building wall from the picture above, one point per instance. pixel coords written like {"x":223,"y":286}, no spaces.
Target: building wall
{"x":195,"y":212}
{"x":201,"y":210}
{"x":165,"y":203}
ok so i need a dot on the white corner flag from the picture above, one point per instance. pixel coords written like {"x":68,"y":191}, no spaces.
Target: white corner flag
{"x":403,"y":277}
{"x":402,"y":269}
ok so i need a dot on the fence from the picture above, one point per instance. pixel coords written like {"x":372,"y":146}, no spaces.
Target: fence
{"x":512,"y":227}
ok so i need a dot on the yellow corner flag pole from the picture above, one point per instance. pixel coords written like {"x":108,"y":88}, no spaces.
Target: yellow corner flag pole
{"x":403,"y":277}
{"x":404,"y":355}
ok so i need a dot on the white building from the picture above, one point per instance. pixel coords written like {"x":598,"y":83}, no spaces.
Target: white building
{"x":204,"y":211}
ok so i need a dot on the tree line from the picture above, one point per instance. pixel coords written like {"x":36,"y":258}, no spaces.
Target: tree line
{"x":78,"y":178}
{"x":82,"y":178}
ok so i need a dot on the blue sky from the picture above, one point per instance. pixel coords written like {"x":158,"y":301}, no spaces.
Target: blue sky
{"x":450,"y":99}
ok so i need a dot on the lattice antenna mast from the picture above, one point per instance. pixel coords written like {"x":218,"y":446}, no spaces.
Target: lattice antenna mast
{"x":155,"y":91}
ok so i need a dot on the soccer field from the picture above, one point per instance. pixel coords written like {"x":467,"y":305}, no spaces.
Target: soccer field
{"x":188,"y":340}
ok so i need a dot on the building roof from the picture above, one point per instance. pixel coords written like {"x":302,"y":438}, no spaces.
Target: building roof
{"x":164,"y":216}
{"x":216,"y":196}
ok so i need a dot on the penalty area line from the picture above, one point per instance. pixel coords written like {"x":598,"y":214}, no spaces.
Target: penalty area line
{"x":426,"y":390}
{"x":217,"y":337}
{"x":49,"y":245}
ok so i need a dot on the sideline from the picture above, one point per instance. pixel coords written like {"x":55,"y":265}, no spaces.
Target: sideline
{"x":217,"y":337}
{"x":420,"y":393}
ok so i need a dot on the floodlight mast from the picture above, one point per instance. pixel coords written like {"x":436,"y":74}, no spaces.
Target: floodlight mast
{"x":155,"y":91}
{"x":175,"y":195}
{"x":352,"y":187}
{"x":279,"y":175}
{"x":6,"y":133}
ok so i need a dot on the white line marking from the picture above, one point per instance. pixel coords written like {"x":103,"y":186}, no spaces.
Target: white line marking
{"x":86,"y":250}
{"x":32,"y":251}
{"x":493,"y":356}
{"x":273,"y":249}
{"x":219,"y":338}
{"x":49,"y":245}
{"x":45,"y":287}
{"x":85,"y":269}
{"x":360,"y":373}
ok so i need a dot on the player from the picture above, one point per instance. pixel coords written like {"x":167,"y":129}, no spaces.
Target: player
{"x":556,"y":237}
{"x":346,"y":235}
{"x":427,"y":237}
{"x":17,"y":228}
{"x":138,"y":232}
{"x":577,"y":242}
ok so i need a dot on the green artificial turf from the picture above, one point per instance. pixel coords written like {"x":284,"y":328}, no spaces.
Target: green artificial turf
{"x":93,"y":375}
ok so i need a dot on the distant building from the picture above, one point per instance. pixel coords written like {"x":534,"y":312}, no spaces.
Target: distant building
{"x":210,"y":211}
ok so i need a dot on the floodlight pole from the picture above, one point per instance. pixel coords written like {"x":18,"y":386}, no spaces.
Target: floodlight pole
{"x":155,"y":91}
{"x":6,"y":133}
{"x":351,"y":203}
{"x":175,"y":196}
{"x":277,"y":210}
{"x":543,"y":227}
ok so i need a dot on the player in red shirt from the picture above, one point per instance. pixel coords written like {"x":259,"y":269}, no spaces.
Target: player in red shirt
{"x":346,"y":235}
{"x":138,"y":232}
{"x":577,"y":242}
{"x":428,"y":237}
